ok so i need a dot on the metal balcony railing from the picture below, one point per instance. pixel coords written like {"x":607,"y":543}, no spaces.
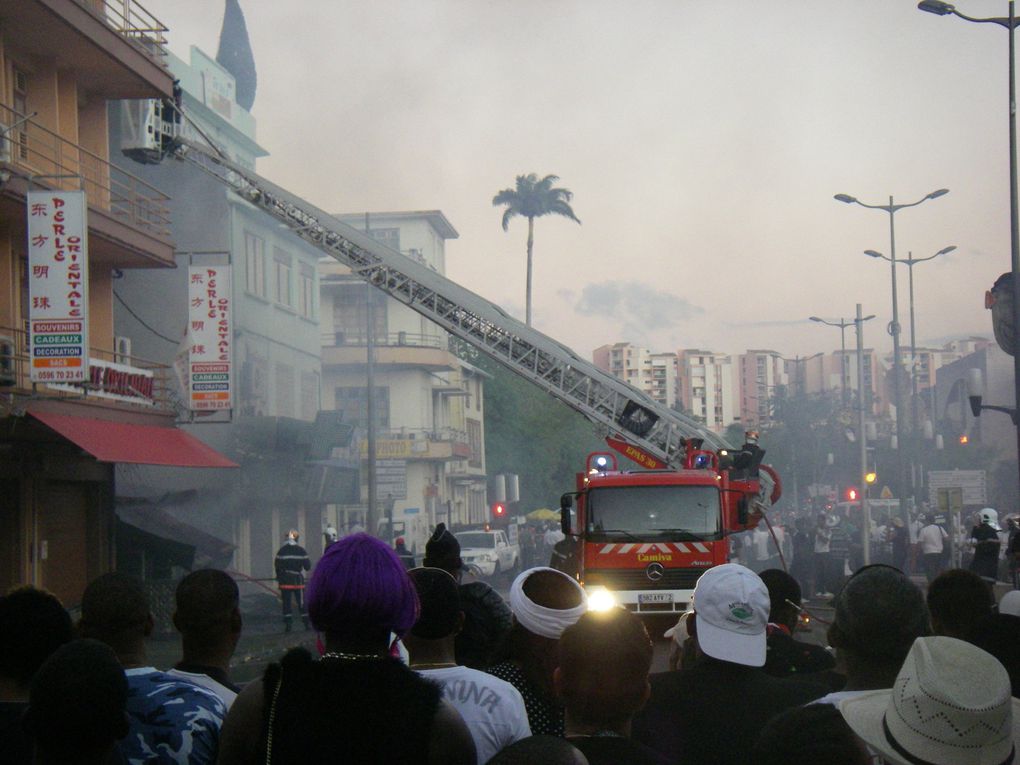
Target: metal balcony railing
{"x":164,"y":392}
{"x":61,"y":164}
{"x":134,"y":23}
{"x":391,"y":339}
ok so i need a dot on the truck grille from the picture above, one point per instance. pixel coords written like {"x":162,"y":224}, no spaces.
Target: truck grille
{"x":635,"y":579}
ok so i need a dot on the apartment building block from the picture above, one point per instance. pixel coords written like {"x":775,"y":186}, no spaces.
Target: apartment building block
{"x":656,"y":374}
{"x":429,"y":404}
{"x":760,"y":372}
{"x":707,"y":388}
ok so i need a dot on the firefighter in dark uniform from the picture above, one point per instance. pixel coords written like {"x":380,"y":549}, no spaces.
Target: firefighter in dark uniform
{"x":405,"y":555}
{"x":291,"y":562}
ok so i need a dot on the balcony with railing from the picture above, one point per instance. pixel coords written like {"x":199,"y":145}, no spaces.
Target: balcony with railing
{"x":421,"y":444}
{"x":34,"y":157}
{"x":134,"y":23}
{"x":116,"y":48}
{"x":15,"y":379}
{"x":393,"y":349}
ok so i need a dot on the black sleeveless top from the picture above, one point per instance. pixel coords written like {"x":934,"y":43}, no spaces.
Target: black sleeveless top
{"x":345,"y":711}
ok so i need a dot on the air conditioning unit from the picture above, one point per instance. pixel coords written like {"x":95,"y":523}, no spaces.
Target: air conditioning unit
{"x":141,"y":125}
{"x":8,"y":376}
{"x":122,"y":350}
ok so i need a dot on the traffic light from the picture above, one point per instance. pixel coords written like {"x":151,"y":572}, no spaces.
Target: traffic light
{"x":851,"y":494}
{"x":498,"y":511}
{"x":871,"y":477}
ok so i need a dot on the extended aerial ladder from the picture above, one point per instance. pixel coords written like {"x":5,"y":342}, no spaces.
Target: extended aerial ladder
{"x":620,"y":411}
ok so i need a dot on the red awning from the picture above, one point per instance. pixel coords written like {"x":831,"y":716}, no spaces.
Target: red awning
{"x":140,"y":444}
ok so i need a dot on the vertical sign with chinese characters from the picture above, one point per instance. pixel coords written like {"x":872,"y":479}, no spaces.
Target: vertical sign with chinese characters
{"x":210,"y":356}
{"x":58,"y":293}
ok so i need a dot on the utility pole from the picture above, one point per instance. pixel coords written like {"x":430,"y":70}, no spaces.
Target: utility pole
{"x":863,"y":441}
{"x":371,"y":517}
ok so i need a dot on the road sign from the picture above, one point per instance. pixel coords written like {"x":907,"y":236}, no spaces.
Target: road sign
{"x":886,"y":493}
{"x":391,"y":478}
{"x":972,"y":484}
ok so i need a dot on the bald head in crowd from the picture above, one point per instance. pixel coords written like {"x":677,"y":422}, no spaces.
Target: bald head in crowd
{"x":115,"y":610}
{"x":879,"y":614}
{"x":207,"y":615}
{"x":603,"y":671}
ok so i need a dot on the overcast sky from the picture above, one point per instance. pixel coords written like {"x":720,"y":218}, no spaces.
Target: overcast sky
{"x":703,"y":141}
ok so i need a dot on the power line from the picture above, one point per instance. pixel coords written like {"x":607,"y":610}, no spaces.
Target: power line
{"x":142,"y":322}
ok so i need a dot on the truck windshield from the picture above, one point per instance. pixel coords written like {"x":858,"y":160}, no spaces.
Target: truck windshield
{"x":667,"y":511}
{"x":479,"y":539}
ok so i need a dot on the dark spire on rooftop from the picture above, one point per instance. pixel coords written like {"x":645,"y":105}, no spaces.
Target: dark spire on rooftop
{"x":235,"y":53}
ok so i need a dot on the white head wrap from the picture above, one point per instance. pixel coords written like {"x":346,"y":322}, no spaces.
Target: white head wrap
{"x":545,"y":622}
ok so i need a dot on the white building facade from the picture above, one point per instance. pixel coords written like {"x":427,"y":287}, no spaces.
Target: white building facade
{"x":708,"y":387}
{"x":429,"y":408}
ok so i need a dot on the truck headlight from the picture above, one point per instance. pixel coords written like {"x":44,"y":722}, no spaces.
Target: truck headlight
{"x":601,"y":599}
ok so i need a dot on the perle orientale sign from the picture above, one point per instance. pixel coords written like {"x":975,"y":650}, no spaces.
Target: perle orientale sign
{"x":58,"y":286}
{"x":210,"y":357}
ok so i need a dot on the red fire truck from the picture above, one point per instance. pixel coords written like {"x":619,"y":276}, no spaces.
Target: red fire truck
{"x":641,"y":538}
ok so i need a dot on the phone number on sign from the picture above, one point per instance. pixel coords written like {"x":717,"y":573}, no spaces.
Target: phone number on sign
{"x":59,"y":375}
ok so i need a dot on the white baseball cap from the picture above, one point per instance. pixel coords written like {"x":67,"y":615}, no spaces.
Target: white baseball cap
{"x":731,"y":606}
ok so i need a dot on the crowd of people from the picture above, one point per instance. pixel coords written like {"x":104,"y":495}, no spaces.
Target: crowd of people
{"x":417,"y":666}
{"x":822,"y":548}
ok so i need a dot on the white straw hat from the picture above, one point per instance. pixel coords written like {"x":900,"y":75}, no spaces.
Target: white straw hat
{"x":1010,"y":603}
{"x":951,"y":705}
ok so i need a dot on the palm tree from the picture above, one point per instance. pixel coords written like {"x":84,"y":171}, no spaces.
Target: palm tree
{"x":533,"y":198}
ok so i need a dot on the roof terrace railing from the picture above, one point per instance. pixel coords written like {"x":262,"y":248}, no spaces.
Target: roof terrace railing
{"x":134,"y":23}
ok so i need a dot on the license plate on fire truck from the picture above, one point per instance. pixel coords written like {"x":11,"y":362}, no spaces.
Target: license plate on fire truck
{"x":647,"y":598}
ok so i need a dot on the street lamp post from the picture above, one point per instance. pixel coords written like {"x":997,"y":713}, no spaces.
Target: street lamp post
{"x":910,"y":262}
{"x":894,"y":327}
{"x":1009,"y":23}
{"x":862,"y":439}
{"x":842,"y":324}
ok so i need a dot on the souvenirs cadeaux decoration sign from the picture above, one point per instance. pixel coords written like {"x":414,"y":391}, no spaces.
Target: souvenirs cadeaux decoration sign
{"x":58,"y":294}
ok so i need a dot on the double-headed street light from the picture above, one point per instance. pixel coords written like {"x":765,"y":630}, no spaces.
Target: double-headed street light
{"x":798,"y":366}
{"x":910,"y":262}
{"x":1009,"y":23}
{"x":842,"y":324}
{"x":894,"y":326}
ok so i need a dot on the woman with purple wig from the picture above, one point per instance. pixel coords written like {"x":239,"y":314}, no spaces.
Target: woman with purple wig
{"x":355,"y":703}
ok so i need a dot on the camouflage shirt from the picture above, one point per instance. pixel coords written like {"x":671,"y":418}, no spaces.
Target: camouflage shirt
{"x":171,"y":720}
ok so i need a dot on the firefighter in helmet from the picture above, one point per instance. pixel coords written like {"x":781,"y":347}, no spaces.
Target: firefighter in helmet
{"x":291,"y":562}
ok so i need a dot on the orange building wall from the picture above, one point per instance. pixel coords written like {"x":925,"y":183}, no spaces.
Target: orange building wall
{"x":100,"y":307}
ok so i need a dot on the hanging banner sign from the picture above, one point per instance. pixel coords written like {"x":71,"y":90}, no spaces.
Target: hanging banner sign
{"x":118,"y":382}
{"x":210,"y":356}
{"x":58,"y":295}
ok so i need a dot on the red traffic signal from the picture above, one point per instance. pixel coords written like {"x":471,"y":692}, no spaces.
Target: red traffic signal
{"x":851,"y":493}
{"x":498,"y":510}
